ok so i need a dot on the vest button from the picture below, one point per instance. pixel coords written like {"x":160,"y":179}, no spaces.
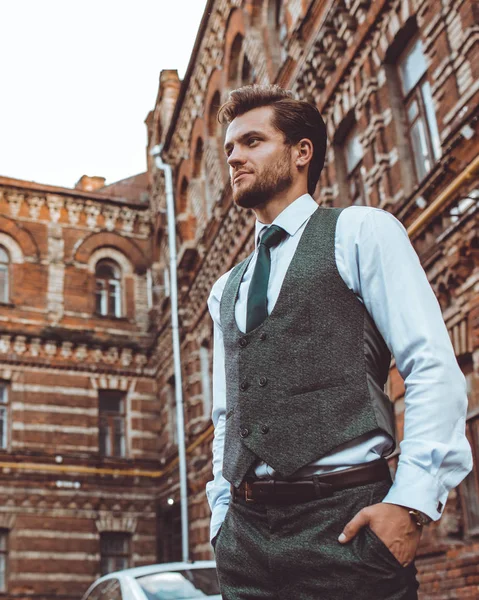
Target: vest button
{"x":244,"y":385}
{"x":243,"y":342}
{"x":262,"y":336}
{"x":264,"y":429}
{"x":244,"y":432}
{"x":263,"y":381}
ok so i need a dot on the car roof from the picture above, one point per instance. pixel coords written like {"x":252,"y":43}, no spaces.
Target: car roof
{"x":159,"y":568}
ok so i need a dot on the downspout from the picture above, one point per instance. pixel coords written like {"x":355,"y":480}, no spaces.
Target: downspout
{"x":170,"y":212}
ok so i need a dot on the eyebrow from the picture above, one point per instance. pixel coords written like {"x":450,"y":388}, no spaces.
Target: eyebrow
{"x":243,"y":138}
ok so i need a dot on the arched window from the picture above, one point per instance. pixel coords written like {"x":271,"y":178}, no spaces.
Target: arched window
{"x":182,"y":203}
{"x":198,"y":159}
{"x":108,"y":288}
{"x":4,"y":274}
{"x":236,"y":55}
{"x":213,"y":124}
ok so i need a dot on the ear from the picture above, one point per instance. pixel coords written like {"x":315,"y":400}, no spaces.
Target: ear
{"x":304,"y":152}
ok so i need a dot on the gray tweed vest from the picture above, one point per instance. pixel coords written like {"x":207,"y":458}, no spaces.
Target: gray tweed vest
{"x":311,"y":376}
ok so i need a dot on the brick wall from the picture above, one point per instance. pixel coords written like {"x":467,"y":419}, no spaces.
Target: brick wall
{"x":57,"y":355}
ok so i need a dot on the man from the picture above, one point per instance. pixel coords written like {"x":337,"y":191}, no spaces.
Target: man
{"x":302,"y":501}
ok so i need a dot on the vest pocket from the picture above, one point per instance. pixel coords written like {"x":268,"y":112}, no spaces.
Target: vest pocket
{"x":324,"y":385}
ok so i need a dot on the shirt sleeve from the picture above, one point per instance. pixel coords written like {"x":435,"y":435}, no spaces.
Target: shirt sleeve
{"x":218,"y":490}
{"x":384,"y":271}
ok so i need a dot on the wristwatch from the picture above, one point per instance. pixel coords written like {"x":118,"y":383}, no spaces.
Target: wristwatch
{"x":419,"y":517}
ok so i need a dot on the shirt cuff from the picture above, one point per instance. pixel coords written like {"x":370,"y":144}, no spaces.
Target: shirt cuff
{"x":217,"y":518}
{"x":417,"y":489}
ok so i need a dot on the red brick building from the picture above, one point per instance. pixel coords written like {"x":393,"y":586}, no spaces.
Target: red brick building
{"x":79,"y":414}
{"x":398,"y":84}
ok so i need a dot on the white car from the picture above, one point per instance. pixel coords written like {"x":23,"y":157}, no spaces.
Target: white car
{"x":168,"y":581}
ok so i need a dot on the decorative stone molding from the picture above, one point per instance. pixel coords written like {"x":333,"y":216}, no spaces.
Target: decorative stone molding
{"x":35,"y":204}
{"x":127,"y":216}
{"x":144,"y":219}
{"x":7,"y":521}
{"x":55,"y":205}
{"x":115,"y":255}
{"x":111,"y":382}
{"x":107,"y":522}
{"x":92,"y":211}
{"x":19,"y":345}
{"x":15,"y":202}
{"x":74,"y":209}
{"x":74,"y":355}
{"x":124,"y":246}
{"x":110,"y":214}
{"x":56,"y":267}
{"x":14,"y":250}
{"x":4,"y":344}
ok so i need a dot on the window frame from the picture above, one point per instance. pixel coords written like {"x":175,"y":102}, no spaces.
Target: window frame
{"x":423,"y":117}
{"x":5,"y":409}
{"x":5,"y":266}
{"x":172,"y":410}
{"x":4,"y":535}
{"x":108,"y":290}
{"x":112,"y":418}
{"x":205,"y":356}
{"x":353,"y":171}
{"x":107,"y":555}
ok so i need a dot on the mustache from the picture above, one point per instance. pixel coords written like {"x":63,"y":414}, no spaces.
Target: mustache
{"x":238,"y":173}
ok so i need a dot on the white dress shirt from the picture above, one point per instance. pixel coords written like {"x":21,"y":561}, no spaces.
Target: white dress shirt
{"x":378,"y":263}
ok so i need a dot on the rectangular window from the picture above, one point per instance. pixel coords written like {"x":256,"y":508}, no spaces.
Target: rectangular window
{"x":171,"y":404}
{"x":3,"y":560}
{"x":3,"y":283}
{"x":421,"y":118}
{"x":115,"y":551}
{"x":353,"y":156}
{"x":205,"y":364}
{"x":112,"y":423}
{"x":3,"y":415}
{"x":4,"y":268}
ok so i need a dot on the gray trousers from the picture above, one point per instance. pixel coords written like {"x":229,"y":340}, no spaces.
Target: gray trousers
{"x":292,"y":553}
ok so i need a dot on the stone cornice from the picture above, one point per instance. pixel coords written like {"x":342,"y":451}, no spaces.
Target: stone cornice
{"x":32,"y":350}
{"x":77,"y":211}
{"x":33,"y":188}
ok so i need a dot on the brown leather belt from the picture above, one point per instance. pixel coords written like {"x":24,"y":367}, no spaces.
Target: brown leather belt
{"x":275,"y":491}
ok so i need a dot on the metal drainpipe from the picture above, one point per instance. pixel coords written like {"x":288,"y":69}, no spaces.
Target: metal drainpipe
{"x":170,"y":211}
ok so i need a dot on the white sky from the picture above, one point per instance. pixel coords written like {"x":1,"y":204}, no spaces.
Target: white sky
{"x":78,"y":78}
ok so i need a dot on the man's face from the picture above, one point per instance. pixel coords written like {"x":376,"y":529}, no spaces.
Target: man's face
{"x":258,"y":158}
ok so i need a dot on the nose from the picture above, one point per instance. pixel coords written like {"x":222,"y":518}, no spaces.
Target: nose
{"x":236,"y":158}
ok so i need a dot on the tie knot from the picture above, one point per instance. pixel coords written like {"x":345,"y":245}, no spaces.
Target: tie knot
{"x":273,"y":236}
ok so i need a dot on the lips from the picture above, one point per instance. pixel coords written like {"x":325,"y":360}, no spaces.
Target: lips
{"x":238,"y":175}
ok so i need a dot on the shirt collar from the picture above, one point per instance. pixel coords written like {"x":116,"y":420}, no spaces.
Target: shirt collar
{"x":292,"y":217}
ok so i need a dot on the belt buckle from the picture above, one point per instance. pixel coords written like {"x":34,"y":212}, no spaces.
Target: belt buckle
{"x":247,"y":489}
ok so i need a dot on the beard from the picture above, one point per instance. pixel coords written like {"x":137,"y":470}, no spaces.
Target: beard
{"x":272,"y":180}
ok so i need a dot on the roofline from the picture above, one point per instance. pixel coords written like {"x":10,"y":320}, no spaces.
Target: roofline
{"x":53,"y":189}
{"x":189,"y":71}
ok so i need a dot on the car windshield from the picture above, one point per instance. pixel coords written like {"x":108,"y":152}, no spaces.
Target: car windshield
{"x":180,"y":585}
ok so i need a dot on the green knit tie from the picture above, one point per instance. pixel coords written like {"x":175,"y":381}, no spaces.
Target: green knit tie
{"x":257,"y":307}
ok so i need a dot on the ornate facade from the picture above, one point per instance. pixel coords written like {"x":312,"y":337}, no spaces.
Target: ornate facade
{"x":397,"y":82}
{"x":79,"y":415}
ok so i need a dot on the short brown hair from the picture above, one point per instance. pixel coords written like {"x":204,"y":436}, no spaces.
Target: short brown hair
{"x":295,"y":119}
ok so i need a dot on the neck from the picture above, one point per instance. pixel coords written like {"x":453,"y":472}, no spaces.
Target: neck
{"x":266,"y":213}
